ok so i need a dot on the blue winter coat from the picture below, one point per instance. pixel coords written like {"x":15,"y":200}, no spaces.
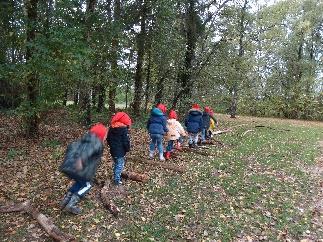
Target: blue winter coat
{"x":118,"y":140}
{"x":194,"y":121}
{"x":82,"y":158}
{"x":206,"y":120}
{"x":157,"y":122}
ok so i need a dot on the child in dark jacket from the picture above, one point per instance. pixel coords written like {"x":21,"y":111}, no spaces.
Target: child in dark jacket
{"x":194,"y":124}
{"x":156,"y":126}
{"x":207,"y":116}
{"x":82,"y":159}
{"x":119,"y":142}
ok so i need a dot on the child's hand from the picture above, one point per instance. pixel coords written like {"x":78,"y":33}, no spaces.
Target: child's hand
{"x":79,"y":165}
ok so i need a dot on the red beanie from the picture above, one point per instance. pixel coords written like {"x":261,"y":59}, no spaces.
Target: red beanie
{"x":121,"y":117}
{"x":172,"y":114}
{"x":207,"y":109}
{"x":196,"y":106}
{"x":162,"y":107}
{"x":99,"y":130}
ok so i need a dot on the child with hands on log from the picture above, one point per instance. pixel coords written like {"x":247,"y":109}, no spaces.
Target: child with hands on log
{"x":157,"y":127}
{"x":119,"y":143}
{"x":81,"y":161}
{"x":194,"y":124}
{"x":175,"y":132}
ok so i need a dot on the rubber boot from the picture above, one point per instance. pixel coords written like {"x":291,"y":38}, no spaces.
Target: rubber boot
{"x":167,"y":155}
{"x":151,"y":154}
{"x":70,"y":207}
{"x":178,"y":146}
{"x":66,"y":199}
{"x":161,"y":157}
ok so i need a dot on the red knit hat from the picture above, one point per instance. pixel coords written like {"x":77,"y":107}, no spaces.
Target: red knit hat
{"x":121,"y":117}
{"x":99,"y":130}
{"x":172,"y":114}
{"x":196,"y":106}
{"x":162,"y":107}
{"x":207,"y":109}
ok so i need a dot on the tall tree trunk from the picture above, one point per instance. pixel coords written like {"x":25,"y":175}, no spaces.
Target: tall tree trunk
{"x":160,"y":90}
{"x":114,"y":55}
{"x":185,"y":74}
{"x":101,"y":98}
{"x":141,"y":38}
{"x":32,"y":120}
{"x":85,"y":94}
{"x":147,"y":89}
{"x":235,"y":87}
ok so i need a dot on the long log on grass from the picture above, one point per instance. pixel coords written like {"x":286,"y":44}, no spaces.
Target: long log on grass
{"x":177,"y":168}
{"x":106,"y":196}
{"x":134,"y":176}
{"x":46,"y":223}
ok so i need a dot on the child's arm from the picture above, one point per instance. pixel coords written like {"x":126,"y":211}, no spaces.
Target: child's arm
{"x":126,"y":141}
{"x":181,"y":129}
{"x":165,"y":125}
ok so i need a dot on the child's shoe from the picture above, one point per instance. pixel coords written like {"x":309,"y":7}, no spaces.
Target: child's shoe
{"x":151,"y":154}
{"x":167,"y":155}
{"x":71,"y":206}
{"x":161,"y":157}
{"x":178,"y":146}
{"x":66,"y":199}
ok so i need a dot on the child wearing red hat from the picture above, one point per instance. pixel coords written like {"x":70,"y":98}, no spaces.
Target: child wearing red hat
{"x":194,"y":123}
{"x":175,"y":132}
{"x":208,"y":114}
{"x":119,"y":143}
{"x":81,"y":161}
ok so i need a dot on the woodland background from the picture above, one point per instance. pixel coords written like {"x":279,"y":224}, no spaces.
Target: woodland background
{"x":238,"y":56}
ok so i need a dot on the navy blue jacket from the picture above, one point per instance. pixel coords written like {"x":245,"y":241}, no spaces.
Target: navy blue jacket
{"x":82,"y":158}
{"x":119,"y":142}
{"x":157,"y":122}
{"x":206,"y":120}
{"x":194,"y":121}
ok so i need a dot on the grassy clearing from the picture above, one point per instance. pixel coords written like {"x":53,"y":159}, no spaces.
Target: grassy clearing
{"x":255,"y":188}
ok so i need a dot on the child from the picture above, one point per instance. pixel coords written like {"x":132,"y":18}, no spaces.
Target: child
{"x":175,"y":131}
{"x":156,"y":126}
{"x":214,"y":123}
{"x":207,"y":116}
{"x":118,"y":140}
{"x":194,"y":124}
{"x":81,"y":161}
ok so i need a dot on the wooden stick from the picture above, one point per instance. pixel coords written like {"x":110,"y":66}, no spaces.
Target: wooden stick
{"x":134,"y":176}
{"x":46,"y":223}
{"x":106,"y":197}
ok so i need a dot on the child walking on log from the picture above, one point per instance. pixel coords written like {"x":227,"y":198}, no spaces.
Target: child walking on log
{"x":194,"y":124}
{"x":207,"y":116}
{"x":156,"y":126}
{"x":81,"y":161}
{"x":119,"y":143}
{"x":175,"y":131}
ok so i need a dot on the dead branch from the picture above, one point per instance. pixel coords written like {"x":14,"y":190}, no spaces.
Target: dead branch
{"x":46,"y":223}
{"x":222,"y":131}
{"x":134,"y":176}
{"x":249,"y":130}
{"x":264,"y":126}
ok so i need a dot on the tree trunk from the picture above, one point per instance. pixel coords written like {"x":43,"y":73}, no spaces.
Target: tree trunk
{"x":234,"y":91}
{"x":141,"y":38}
{"x":147,"y":89}
{"x":114,"y":55}
{"x":101,"y":98}
{"x":32,"y":119}
{"x":85,"y":97}
{"x":185,"y":74}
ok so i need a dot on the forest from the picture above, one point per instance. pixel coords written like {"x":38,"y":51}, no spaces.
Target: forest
{"x":243,"y":57}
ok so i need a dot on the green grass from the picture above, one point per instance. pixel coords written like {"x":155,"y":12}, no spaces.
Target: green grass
{"x":257,"y":186}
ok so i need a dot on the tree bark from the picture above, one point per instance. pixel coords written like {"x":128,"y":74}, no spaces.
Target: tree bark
{"x":141,"y":38}
{"x":51,"y":229}
{"x":184,"y":93}
{"x":32,"y":119}
{"x":235,"y":89}
{"x":114,"y":55}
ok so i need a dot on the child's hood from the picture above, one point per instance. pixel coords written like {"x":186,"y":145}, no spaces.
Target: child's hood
{"x":156,"y":112}
{"x":195,"y":112}
{"x":120,"y":119}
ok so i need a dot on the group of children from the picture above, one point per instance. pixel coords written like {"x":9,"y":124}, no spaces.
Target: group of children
{"x":83,"y":156}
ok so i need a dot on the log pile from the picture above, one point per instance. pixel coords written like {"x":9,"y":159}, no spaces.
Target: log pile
{"x":46,"y":223}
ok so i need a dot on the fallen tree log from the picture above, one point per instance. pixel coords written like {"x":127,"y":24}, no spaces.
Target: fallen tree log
{"x":46,"y":223}
{"x":221,"y":131}
{"x":134,"y":176}
{"x":268,"y":127}
{"x":106,"y":195}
